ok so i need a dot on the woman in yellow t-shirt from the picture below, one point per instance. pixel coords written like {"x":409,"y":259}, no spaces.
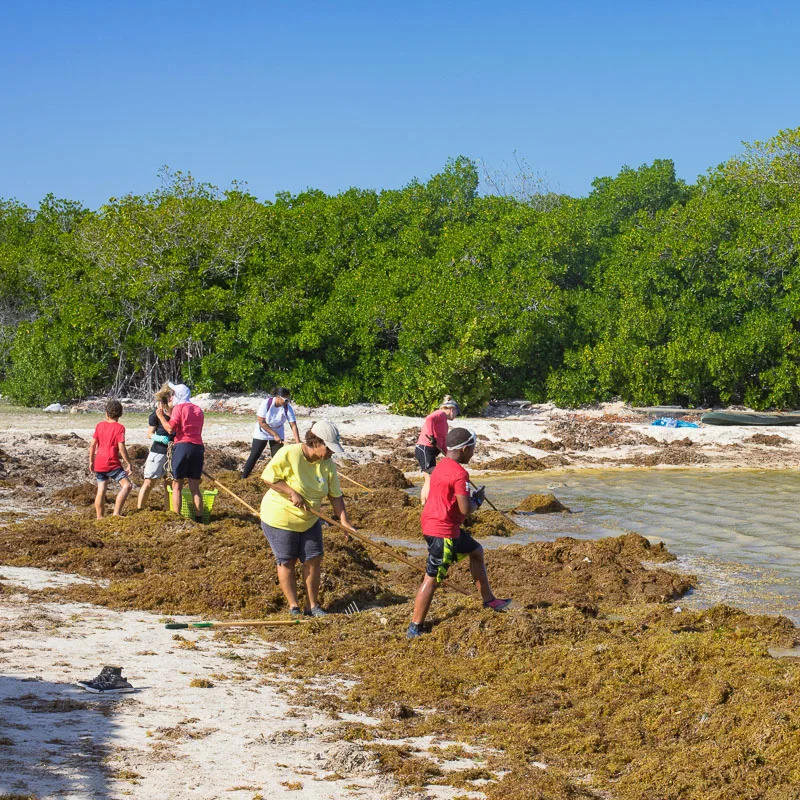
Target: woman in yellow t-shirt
{"x":301,"y":477}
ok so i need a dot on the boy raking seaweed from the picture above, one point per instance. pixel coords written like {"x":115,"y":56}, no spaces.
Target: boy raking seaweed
{"x":448,"y":505}
{"x":108,"y":459}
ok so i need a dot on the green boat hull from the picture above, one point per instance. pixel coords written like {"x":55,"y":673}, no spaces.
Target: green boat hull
{"x":749,"y":418}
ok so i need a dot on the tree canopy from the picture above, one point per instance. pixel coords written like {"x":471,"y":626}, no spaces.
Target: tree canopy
{"x":648,"y":289}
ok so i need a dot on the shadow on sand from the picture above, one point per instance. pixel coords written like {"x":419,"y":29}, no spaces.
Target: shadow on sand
{"x":54,"y":739}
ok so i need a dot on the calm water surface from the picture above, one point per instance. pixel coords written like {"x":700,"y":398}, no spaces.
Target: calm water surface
{"x":737,"y":531}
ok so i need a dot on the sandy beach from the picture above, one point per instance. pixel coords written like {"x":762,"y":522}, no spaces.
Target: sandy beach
{"x":235,"y":714}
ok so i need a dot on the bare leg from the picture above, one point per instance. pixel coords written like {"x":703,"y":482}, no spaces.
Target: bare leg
{"x":477,"y":568}
{"x":423,"y":599}
{"x":124,"y":490}
{"x":144,"y":492}
{"x":194,"y":488}
{"x":166,"y":494}
{"x":312,"y":569}
{"x":100,"y":499}
{"x":177,"y":487}
{"x":288,"y":582}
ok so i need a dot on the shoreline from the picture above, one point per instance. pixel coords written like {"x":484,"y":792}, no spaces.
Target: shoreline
{"x":305,"y":710}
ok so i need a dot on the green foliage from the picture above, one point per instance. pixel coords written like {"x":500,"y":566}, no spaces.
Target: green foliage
{"x":647,"y":289}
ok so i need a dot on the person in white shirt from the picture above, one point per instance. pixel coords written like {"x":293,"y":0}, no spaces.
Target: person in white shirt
{"x":271,"y":418}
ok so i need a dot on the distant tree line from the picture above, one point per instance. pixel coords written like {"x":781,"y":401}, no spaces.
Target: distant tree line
{"x":647,"y":289}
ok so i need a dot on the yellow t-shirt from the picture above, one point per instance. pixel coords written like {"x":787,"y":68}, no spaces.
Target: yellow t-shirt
{"x":313,"y":481}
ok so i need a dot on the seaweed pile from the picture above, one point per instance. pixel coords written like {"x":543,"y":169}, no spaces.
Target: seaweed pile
{"x":634,"y":703}
{"x":587,"y":434}
{"x":520,"y":462}
{"x":157,"y":561}
{"x":541,"y":504}
{"x":377,"y":475}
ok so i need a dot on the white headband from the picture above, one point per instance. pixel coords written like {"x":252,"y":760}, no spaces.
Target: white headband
{"x":471,"y":440}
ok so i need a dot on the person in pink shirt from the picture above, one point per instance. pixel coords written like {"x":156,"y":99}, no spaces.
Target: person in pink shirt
{"x":186,"y":422}
{"x":108,"y":459}
{"x":433,"y":440}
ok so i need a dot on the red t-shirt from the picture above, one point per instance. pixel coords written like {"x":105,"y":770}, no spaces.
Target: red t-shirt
{"x":435,"y":425}
{"x":186,"y":419}
{"x":108,"y":435}
{"x":441,"y":515}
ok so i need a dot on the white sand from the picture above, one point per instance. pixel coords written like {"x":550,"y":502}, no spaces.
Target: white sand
{"x":238,"y":739}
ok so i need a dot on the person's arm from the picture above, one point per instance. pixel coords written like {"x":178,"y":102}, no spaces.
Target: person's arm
{"x":162,"y":418}
{"x":340,"y":513}
{"x":468,"y":503}
{"x":92,"y":452}
{"x":262,"y":423}
{"x":295,"y":432}
{"x":281,"y":486}
{"x":123,"y":454}
{"x":151,"y":431}
{"x":440,"y":430}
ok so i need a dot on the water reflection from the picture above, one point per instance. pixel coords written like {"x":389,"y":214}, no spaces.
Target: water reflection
{"x":736,"y":530}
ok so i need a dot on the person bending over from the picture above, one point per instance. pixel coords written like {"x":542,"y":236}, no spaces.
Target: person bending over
{"x":271,"y":418}
{"x":433,"y":440}
{"x":300,"y":476}
{"x":449,"y":504}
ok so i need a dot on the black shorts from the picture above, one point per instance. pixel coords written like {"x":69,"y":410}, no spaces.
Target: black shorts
{"x":444,"y":552}
{"x":426,"y":456}
{"x":187,"y":461}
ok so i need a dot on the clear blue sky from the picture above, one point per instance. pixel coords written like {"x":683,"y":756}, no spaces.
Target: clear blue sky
{"x":96,"y":96}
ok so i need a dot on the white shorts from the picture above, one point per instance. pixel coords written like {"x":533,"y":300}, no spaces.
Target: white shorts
{"x":154,"y":466}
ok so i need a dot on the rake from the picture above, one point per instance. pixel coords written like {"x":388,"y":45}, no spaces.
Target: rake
{"x":241,"y":623}
{"x":360,"y":536}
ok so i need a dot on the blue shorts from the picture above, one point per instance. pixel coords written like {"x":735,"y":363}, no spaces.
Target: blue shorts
{"x":117,"y":475}
{"x":187,"y":461}
{"x":292,"y":545}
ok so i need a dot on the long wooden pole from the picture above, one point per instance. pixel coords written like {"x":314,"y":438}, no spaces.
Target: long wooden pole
{"x":492,"y":505}
{"x":360,"y":536}
{"x":240,"y":623}
{"x":348,"y":478}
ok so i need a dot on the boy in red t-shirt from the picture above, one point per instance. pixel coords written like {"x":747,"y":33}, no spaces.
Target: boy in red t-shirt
{"x":448,"y":505}
{"x":108,"y":459}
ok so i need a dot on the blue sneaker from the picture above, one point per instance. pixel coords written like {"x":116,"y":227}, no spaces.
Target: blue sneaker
{"x":294,"y":611}
{"x":317,"y":612}
{"x":413,"y":631}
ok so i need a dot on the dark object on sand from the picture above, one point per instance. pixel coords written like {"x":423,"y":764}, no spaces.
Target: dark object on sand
{"x":109,"y":681}
{"x":749,"y":418}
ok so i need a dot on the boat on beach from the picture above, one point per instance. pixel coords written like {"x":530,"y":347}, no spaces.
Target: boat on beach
{"x":751,"y":418}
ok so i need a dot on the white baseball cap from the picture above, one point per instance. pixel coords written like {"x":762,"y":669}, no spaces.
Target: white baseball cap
{"x":329,"y":434}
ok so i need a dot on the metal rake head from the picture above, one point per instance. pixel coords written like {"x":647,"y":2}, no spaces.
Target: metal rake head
{"x":352,"y":609}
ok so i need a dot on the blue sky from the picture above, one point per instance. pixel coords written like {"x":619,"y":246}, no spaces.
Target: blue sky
{"x":96,"y":96}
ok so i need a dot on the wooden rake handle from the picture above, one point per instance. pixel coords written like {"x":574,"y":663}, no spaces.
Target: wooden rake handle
{"x":492,"y":505}
{"x":360,"y":536}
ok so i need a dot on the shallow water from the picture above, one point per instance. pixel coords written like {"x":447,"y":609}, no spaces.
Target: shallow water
{"x":737,"y":531}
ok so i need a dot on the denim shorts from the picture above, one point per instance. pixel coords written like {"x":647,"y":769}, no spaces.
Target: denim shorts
{"x":112,"y":475}
{"x":293,"y":545}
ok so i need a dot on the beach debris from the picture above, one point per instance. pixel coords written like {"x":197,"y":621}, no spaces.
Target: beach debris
{"x":542,"y":504}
